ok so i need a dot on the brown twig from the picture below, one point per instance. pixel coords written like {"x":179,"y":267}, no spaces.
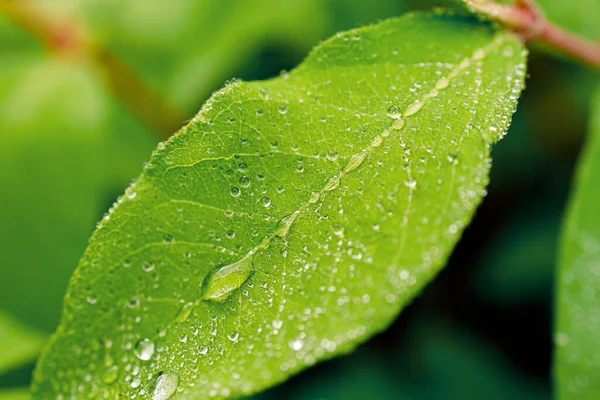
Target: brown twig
{"x":69,"y":38}
{"x":527,"y":20}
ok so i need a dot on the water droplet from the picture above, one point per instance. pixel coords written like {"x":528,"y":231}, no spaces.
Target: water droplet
{"x":413,"y":108}
{"x":410,"y":183}
{"x":266,"y":202}
{"x":561,"y":339}
{"x":274,"y":144}
{"x":203,"y":350}
{"x":144,"y":349}
{"x":286,"y":222}
{"x":111,"y":374}
{"x":264,"y":93}
{"x":277,"y":324}
{"x":184,"y":313}
{"x":452,"y":156}
{"x":442,"y":83}
{"x":147,"y":266}
{"x":394,"y":112}
{"x":136,"y":382}
{"x":259,"y":112}
{"x":332,"y":155}
{"x":133,"y":303}
{"x":244,"y":181}
{"x":356,"y":160}
{"x":235,"y":192}
{"x":183,"y":338}
{"x":296,"y":345}
{"x":233,"y":336}
{"x":218,"y":285}
{"x":91,"y":299}
{"x":230,"y":234}
{"x":168,"y":238}
{"x":282,"y":109}
{"x":165,"y":387}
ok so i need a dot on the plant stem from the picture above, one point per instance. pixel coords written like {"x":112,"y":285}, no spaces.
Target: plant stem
{"x":71,"y":40}
{"x":527,"y":20}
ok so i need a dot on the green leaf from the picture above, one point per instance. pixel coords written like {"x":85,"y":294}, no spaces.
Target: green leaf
{"x":292,"y":218}
{"x":577,"y":356}
{"x":19,"y":344}
{"x":15,"y":394}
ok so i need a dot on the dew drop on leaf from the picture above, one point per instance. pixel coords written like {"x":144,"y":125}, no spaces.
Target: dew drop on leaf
{"x":165,"y":387}
{"x":144,"y":349}
{"x":235,"y":192}
{"x":394,"y":112}
{"x":218,"y":285}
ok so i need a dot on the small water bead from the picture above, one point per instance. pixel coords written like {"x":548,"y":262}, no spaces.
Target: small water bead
{"x":183,"y":338}
{"x":133,"y":303}
{"x":230,"y":234}
{"x":235,"y":192}
{"x":260,"y":176}
{"x":203,"y":350}
{"x":410,"y":183}
{"x":266,"y":202}
{"x":442,"y":83}
{"x":296,"y":345}
{"x":165,"y":387}
{"x":332,"y":155}
{"x":244,"y":181}
{"x":282,"y":109}
{"x":111,"y":374}
{"x":148,"y":266}
{"x":279,"y":189}
{"x":453,"y":157}
{"x":277,"y":324}
{"x":233,"y":336}
{"x":394,"y":112}
{"x":144,"y":349}
{"x":136,"y":382}
{"x":259,"y":112}
{"x":264,"y":93}
{"x":274,"y":144}
{"x":479,"y":54}
{"x":91,"y":299}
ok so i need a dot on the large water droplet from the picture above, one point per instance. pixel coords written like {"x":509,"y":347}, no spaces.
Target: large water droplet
{"x":286,"y":222}
{"x":111,"y":374}
{"x":144,"y":349}
{"x":218,"y":285}
{"x":165,"y":387}
{"x":394,"y":112}
{"x":233,"y":336}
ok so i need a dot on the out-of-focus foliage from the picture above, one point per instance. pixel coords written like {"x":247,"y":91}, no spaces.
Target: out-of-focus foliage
{"x":578,"y":316}
{"x":18,"y":344}
{"x":15,"y":394}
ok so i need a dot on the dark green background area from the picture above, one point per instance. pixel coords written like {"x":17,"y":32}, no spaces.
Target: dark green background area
{"x":68,"y":148}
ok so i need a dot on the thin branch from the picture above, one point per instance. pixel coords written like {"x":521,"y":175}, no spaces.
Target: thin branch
{"x":69,"y":38}
{"x":527,"y":20}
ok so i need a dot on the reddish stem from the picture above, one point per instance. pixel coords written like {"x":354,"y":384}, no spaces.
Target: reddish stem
{"x":68,"y":38}
{"x":527,"y":20}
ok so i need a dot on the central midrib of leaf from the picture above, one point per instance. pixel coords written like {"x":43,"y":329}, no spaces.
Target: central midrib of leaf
{"x":224,"y":280}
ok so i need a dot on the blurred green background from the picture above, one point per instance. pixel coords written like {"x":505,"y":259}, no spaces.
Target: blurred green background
{"x":89,"y":88}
